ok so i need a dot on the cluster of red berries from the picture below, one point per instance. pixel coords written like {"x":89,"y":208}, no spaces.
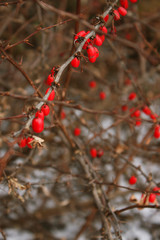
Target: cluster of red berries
{"x":135,"y":113}
{"x":25,"y":142}
{"x":38,"y":121}
{"x":98,"y":40}
{"x":124,"y":3}
{"x":152,"y":196}
{"x":96,"y":153}
{"x":92,"y":52}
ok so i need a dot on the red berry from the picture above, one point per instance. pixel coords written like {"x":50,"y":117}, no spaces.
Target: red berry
{"x":138,"y":122}
{"x":40,"y":114}
{"x":100,"y":153}
{"x":51,"y":96}
{"x":153,"y":116}
{"x":137,"y":113}
{"x":133,"y":1}
{"x":22,"y":143}
{"x":75,"y":62}
{"x":116,"y":15}
{"x":102,"y":95}
{"x":45,"y":109}
{"x":92,"y":59}
{"x":93,"y":152}
{"x":128,"y":36}
{"x":80,"y":34}
{"x":152,"y":197}
{"x":63,"y":114}
{"x":102,"y":37}
{"x":157,"y":131}
{"x":157,"y":189}
{"x":97,"y":52}
{"x":50,"y":79}
{"x":53,"y":71}
{"x":37,"y":125}
{"x":106,"y":18}
{"x":124,"y":108}
{"x":146,"y":110}
{"x":77,"y":131}
{"x":28,"y":141}
{"x":132,"y":180}
{"x":122,"y":11}
{"x":92,"y":84}
{"x":132,"y":96}
{"x":91,"y":51}
{"x":104,"y":29}
{"x":124,"y":3}
{"x":98,"y":40}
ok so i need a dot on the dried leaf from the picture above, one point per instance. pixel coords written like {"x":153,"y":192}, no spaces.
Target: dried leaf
{"x":37,"y":142}
{"x":13,"y":184}
{"x":121,"y":148}
{"x":133,"y":199}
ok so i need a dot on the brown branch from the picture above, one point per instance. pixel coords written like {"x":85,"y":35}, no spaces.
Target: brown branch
{"x":9,"y":59}
{"x":134,"y":206}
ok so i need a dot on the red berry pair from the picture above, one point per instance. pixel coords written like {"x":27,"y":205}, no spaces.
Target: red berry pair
{"x":38,"y":121}
{"x":96,"y":153}
{"x":25,"y":142}
{"x":148,"y":112}
{"x":124,"y":3}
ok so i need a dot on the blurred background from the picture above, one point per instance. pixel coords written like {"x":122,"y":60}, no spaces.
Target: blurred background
{"x":44,"y":192}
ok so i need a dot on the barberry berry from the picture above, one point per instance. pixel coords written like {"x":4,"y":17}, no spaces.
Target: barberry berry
{"x":132,"y":96}
{"x":100,"y":153}
{"x":75,"y":62}
{"x":50,"y":79}
{"x":51,"y":96}
{"x":146,"y":110}
{"x":132,"y":180}
{"x":124,"y":3}
{"x":122,"y":11}
{"x":92,"y":84}
{"x":40,"y":114}
{"x":93,"y":152}
{"x":37,"y":125}
{"x":22,"y":143}
{"x":102,"y":95}
{"x":77,"y":131}
{"x":116,"y":15}
{"x":29,"y":141}
{"x":152,"y":197}
{"x":63,"y":115}
{"x":45,"y":109}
